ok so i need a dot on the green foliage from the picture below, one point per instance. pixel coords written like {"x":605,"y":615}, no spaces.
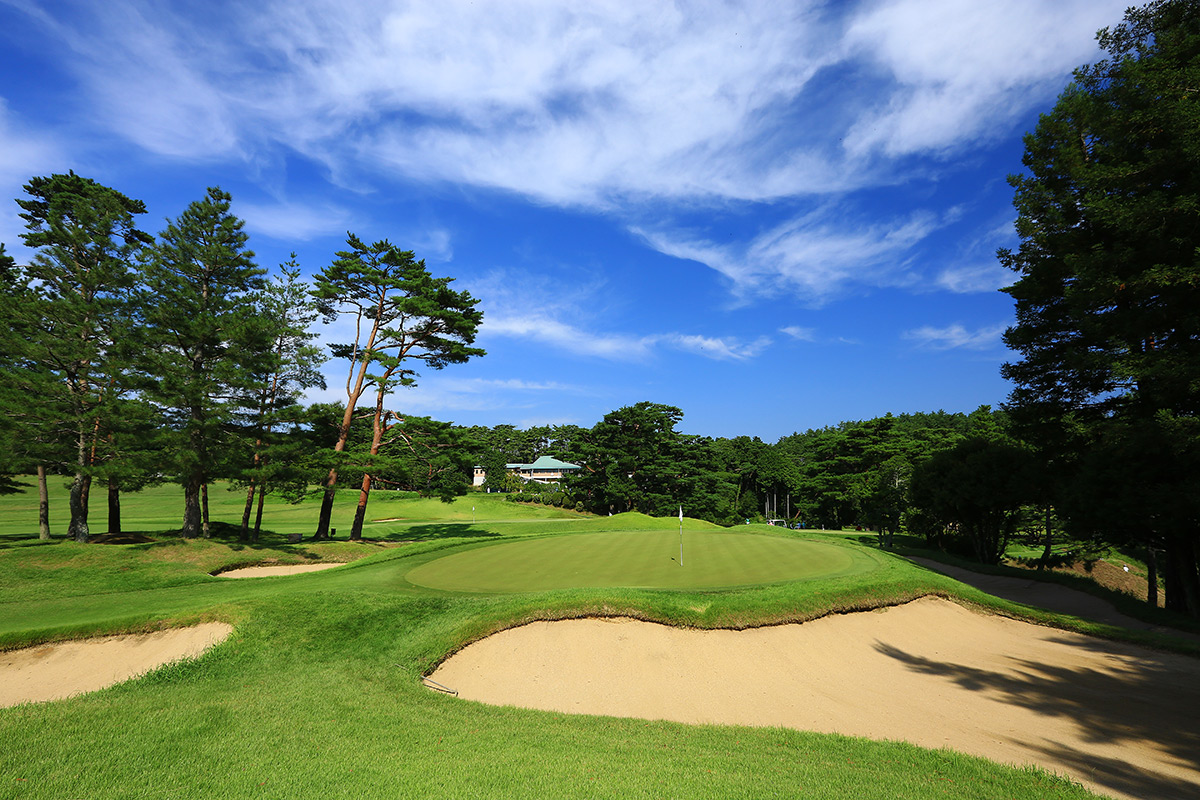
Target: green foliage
{"x":408,"y":316}
{"x":68,"y":322}
{"x":635,"y":460}
{"x":277,"y":462}
{"x":978,"y":487}
{"x":204,"y":343}
{"x":1108,"y":294}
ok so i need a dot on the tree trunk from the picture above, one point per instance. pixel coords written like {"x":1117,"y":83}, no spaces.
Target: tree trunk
{"x":326,"y":506}
{"x":1152,"y":576}
{"x":377,"y":429}
{"x":191,"y":508}
{"x":245,"y":534}
{"x":114,"y":505}
{"x":360,"y":512}
{"x":1183,"y":591}
{"x":78,"y":527}
{"x":204,"y":509}
{"x":262,"y":493}
{"x":194,"y":522}
{"x":352,"y":394}
{"x":43,"y":504}
{"x":85,"y":494}
{"x":1049,"y":541}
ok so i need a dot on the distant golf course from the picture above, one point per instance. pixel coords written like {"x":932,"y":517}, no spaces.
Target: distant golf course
{"x":645,"y":559}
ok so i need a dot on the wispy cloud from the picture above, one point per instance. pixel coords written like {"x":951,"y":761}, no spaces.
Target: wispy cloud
{"x":432,"y":244}
{"x":575,"y":104}
{"x":800,"y":334}
{"x":292,"y":221}
{"x":566,"y":337}
{"x":437,"y":392}
{"x":956,"y":336}
{"x":961,"y":72}
{"x":974,"y":278}
{"x":815,"y":256}
{"x":715,"y":347}
{"x":23,"y":154}
{"x":619,"y":347}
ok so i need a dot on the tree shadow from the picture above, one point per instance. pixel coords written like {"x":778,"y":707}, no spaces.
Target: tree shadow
{"x":1118,"y":775}
{"x":1144,"y":696}
{"x":9,"y":541}
{"x":446,"y":530}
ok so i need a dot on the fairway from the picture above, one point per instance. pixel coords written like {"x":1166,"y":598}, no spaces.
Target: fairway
{"x":640,"y":559}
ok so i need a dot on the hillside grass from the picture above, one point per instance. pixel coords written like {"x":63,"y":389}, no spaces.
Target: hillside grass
{"x":319,"y":693}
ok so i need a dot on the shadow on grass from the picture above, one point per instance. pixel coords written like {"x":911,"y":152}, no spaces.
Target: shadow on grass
{"x":1145,"y":696}
{"x":446,"y":530}
{"x":10,"y":541}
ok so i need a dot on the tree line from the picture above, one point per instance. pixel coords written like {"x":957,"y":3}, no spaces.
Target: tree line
{"x":130,"y":359}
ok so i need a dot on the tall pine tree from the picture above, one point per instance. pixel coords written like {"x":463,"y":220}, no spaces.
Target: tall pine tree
{"x":205,"y":347}
{"x":76,"y":300}
{"x":1108,"y":289}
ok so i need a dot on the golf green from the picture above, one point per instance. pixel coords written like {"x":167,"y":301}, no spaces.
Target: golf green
{"x":642,"y":559}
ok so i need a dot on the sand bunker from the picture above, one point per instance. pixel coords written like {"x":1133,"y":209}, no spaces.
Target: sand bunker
{"x":281,"y":569}
{"x":64,"y":669}
{"x":1118,"y":718}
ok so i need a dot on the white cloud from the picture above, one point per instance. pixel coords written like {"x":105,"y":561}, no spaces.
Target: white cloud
{"x":618,"y":346}
{"x":492,"y":385}
{"x":800,"y":334}
{"x":575,"y":104}
{"x":439,"y":393}
{"x":975,"y":278}
{"x":562,"y":336}
{"x":964,"y":71}
{"x":432,"y":244}
{"x":815,"y":256}
{"x":291,"y":221}
{"x":956,"y":336}
{"x":23,"y":154}
{"x":718,"y":348}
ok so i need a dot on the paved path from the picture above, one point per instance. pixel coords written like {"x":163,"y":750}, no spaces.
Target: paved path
{"x":1050,"y":596}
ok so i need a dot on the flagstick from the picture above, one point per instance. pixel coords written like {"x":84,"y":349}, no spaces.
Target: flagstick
{"x":681,"y":536}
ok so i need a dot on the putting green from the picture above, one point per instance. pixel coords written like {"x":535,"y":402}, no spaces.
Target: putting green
{"x":641,"y":559}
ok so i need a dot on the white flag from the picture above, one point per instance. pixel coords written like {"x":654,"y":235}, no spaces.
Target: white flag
{"x":681,"y":514}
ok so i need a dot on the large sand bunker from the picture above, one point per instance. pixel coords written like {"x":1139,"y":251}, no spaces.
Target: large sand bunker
{"x":63,"y":669}
{"x":1118,"y":718}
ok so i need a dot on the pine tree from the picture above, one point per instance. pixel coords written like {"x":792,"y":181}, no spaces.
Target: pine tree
{"x":1108,"y":289}
{"x":75,"y":303}
{"x":287,"y":309}
{"x":204,"y":345}
{"x":402,"y":315}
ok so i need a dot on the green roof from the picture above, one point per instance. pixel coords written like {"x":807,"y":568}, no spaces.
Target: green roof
{"x":545,"y":462}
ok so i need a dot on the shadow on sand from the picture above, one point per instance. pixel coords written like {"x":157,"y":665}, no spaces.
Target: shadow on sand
{"x":1147,"y":696}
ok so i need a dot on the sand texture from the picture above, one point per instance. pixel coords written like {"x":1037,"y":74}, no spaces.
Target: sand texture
{"x":1123,"y":720}
{"x":64,"y":669}
{"x":281,"y":569}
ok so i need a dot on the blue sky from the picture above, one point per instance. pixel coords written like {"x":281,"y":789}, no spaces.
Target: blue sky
{"x":774,"y":215}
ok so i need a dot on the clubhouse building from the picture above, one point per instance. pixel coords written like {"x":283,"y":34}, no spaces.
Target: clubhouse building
{"x":544,"y":470}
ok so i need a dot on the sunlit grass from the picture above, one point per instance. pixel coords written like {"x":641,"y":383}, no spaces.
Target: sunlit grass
{"x":318,"y":691}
